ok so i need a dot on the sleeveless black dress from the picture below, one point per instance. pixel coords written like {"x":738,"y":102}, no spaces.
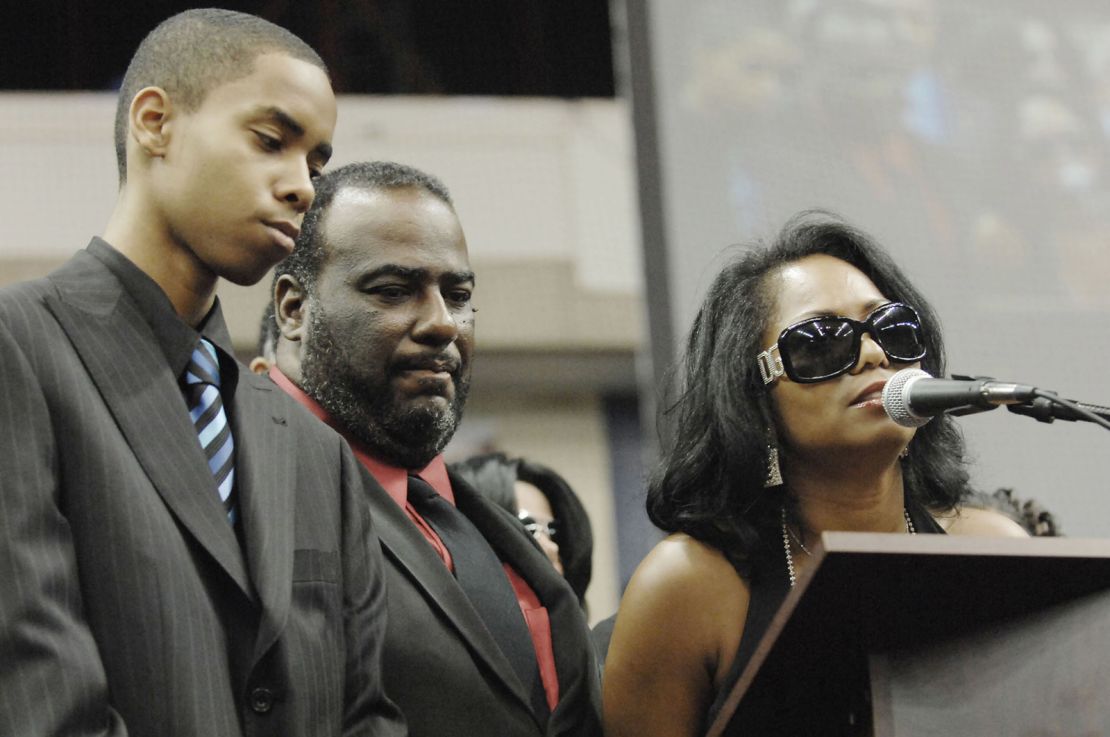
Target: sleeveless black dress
{"x":770,"y":583}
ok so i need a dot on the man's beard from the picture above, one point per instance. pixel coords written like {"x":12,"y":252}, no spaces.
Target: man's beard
{"x":368,"y":409}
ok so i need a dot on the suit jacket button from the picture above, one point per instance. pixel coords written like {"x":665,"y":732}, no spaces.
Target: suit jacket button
{"x":262,"y":700}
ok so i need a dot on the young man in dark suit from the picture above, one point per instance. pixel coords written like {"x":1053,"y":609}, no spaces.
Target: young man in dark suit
{"x":377,"y":330}
{"x":182,"y":548}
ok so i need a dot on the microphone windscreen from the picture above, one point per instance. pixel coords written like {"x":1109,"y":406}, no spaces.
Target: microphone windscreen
{"x":896,"y":396}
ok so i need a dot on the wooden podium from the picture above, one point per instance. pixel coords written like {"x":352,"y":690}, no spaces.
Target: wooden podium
{"x":914,"y":636}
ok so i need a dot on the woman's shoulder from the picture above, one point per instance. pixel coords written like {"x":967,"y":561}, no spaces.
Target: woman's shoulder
{"x":677,"y":631}
{"x":682,"y":564}
{"x":686,"y":586}
{"x":978,"y":521}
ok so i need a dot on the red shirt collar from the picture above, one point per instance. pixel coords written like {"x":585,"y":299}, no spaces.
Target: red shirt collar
{"x":392,"y":478}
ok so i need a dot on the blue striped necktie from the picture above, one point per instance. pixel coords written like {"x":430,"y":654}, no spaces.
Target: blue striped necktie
{"x":206,"y":408}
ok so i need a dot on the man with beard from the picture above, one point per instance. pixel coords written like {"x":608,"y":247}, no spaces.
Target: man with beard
{"x":376,"y":334}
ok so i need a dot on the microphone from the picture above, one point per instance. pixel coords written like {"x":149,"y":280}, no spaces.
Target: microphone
{"x":912,"y":397}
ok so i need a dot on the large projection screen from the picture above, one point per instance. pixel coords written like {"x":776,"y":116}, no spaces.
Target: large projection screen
{"x":972,"y":139}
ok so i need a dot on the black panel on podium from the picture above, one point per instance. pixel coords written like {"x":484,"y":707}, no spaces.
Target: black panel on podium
{"x":934,"y":635}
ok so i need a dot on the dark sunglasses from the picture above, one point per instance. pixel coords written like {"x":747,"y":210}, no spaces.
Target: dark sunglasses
{"x":535,"y":528}
{"x":821,"y":348}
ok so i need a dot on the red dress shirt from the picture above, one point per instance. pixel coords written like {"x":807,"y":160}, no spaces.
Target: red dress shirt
{"x":395,"y":482}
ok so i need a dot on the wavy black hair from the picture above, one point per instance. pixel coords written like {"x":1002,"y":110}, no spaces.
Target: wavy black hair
{"x":709,"y":483}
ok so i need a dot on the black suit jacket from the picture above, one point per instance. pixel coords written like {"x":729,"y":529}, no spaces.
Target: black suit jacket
{"x":442,"y":666}
{"x":127,"y":604}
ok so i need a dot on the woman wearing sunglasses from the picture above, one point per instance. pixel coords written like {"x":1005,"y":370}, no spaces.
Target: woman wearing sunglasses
{"x":779,"y":435}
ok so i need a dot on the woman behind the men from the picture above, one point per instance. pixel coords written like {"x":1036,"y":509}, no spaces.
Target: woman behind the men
{"x":773,"y":446}
{"x":547,"y":506}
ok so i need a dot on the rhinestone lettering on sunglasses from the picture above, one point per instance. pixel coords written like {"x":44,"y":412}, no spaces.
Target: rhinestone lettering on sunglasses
{"x":770,"y":366}
{"x":822,"y":348}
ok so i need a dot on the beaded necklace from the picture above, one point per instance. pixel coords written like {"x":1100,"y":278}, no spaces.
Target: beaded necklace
{"x":788,"y":534}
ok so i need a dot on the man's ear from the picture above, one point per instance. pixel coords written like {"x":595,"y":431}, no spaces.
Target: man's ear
{"x":290,"y":307}
{"x":149,"y":118}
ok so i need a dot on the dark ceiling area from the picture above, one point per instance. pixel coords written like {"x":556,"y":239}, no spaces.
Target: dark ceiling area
{"x":547,"y":48}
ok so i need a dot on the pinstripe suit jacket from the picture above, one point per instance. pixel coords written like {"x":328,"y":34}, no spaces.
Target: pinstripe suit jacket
{"x":127,"y":604}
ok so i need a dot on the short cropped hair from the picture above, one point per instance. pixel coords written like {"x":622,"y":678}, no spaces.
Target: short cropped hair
{"x":267,"y":333}
{"x":304,"y":263}
{"x":195,"y":51}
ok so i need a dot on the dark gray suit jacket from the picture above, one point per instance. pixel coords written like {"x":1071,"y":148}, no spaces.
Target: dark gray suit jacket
{"x":127,"y":604}
{"x":442,"y":666}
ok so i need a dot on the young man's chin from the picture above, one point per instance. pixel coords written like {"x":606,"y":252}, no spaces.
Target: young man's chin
{"x":247,"y":274}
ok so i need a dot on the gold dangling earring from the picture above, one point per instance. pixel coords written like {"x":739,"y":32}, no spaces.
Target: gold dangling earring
{"x":774,"y":473}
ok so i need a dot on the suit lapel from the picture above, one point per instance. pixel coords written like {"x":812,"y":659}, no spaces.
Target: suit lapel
{"x":130,"y":372}
{"x":406,"y":545}
{"x":511,"y":542}
{"x":265,"y":455}
{"x":574,"y":664}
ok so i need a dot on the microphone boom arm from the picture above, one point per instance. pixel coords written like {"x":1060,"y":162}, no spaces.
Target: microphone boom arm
{"x":1040,"y":404}
{"x":1047,"y":407}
